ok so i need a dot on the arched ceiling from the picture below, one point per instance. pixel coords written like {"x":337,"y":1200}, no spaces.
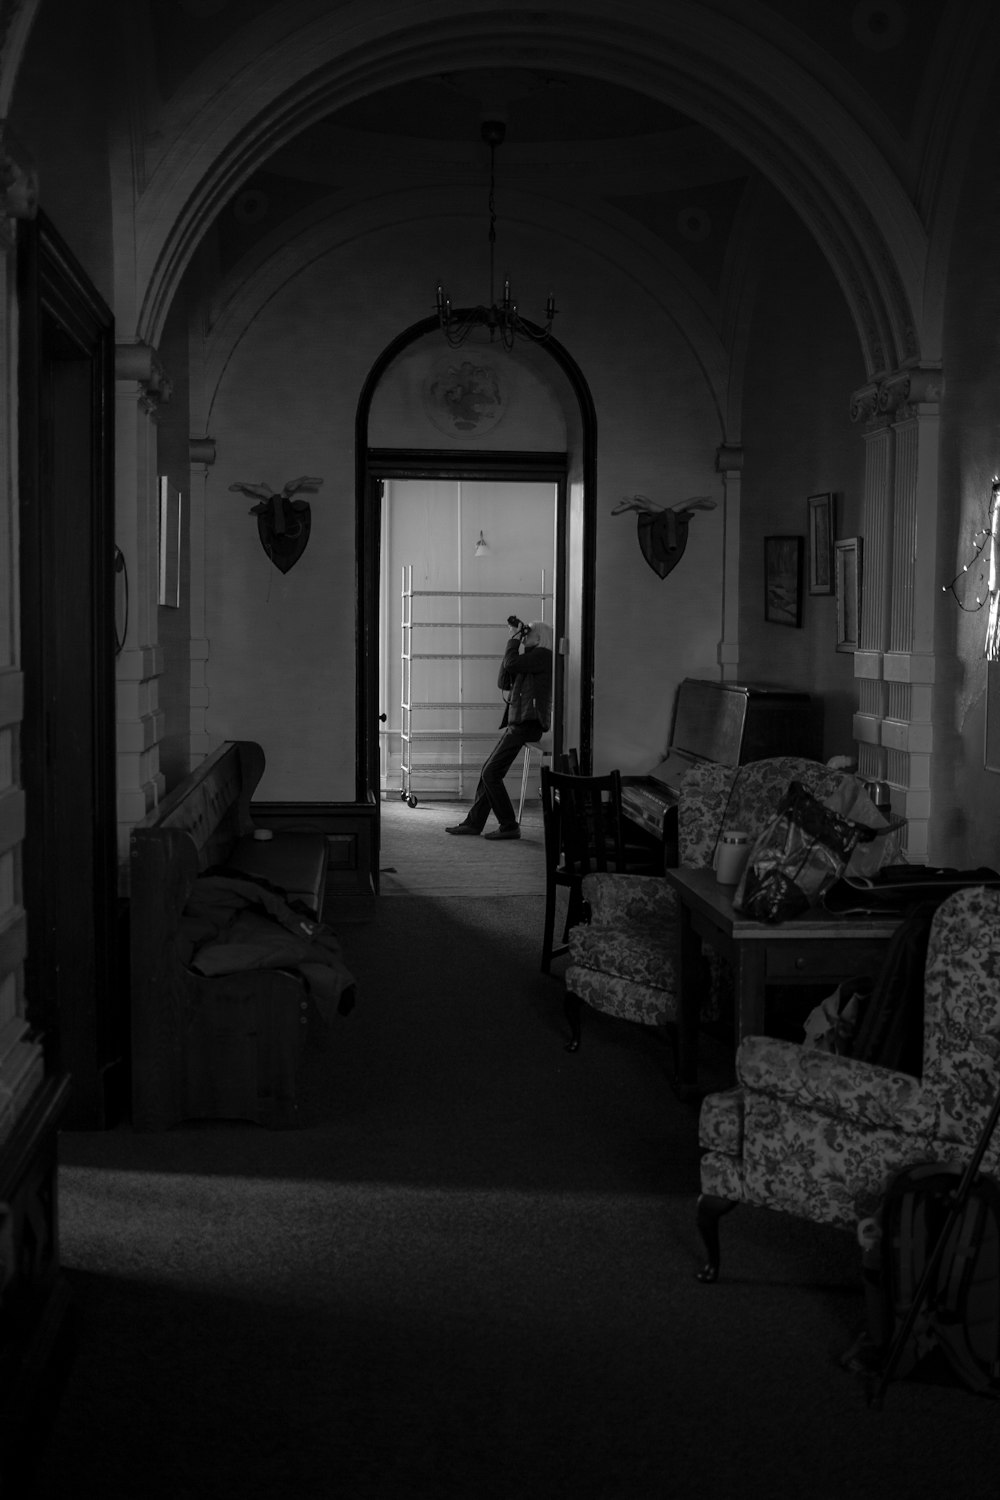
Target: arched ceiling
{"x":660,"y":112}
{"x":597,"y":139}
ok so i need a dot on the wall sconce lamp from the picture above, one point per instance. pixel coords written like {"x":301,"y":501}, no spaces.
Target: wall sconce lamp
{"x":482,"y":546}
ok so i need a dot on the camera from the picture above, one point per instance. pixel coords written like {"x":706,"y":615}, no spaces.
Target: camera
{"x":516,"y":624}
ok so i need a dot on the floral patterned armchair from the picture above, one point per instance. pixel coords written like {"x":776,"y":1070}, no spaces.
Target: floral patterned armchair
{"x":818,"y":1135}
{"x":626,"y":960}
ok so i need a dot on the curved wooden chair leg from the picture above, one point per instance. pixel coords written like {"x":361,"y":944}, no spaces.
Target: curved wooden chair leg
{"x":710,"y":1211}
{"x":573,"y":1006}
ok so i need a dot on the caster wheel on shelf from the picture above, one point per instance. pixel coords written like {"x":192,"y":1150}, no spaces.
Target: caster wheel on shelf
{"x":403,"y":797}
{"x":412,"y":800}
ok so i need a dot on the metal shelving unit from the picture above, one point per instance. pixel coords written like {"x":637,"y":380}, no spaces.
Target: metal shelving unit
{"x":468,"y":727}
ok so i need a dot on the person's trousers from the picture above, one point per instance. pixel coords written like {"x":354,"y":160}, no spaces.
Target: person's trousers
{"x":491,"y":794}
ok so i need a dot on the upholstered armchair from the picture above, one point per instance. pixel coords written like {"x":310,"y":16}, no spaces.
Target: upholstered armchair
{"x":818,"y":1135}
{"x":626,"y":960}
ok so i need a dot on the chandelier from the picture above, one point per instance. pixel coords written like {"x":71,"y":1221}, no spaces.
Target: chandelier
{"x":502,"y":319}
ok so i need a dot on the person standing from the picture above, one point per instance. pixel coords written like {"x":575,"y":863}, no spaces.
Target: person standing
{"x":526,"y":674}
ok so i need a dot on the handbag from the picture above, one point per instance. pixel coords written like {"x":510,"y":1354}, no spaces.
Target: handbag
{"x":805,"y":847}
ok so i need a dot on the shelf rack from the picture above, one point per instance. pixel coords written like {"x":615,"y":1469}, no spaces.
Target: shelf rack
{"x":467,"y":726}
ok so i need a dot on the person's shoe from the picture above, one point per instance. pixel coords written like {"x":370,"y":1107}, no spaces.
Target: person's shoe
{"x":504,"y":833}
{"x":463,"y":828}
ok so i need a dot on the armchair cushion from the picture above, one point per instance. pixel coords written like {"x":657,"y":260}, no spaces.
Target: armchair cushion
{"x":629,"y":999}
{"x":629,"y":898}
{"x":629,"y":951}
{"x":814,"y":1079}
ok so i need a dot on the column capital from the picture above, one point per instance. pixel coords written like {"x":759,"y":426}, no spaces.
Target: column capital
{"x":201,"y":450}
{"x":728,"y":459}
{"x":896,"y":395}
{"x":139,"y":362}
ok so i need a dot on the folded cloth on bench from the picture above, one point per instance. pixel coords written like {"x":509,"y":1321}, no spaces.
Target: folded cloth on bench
{"x":231,"y":925}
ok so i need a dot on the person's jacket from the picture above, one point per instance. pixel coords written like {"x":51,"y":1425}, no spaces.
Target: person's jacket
{"x":527,"y":675}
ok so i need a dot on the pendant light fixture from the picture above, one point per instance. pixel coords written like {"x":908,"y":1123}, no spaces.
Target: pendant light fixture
{"x":502,"y":319}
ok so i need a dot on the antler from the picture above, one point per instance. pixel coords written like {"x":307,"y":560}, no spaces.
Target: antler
{"x":643,"y":503}
{"x":256,"y":491}
{"x":633,"y":502}
{"x":305,"y":483}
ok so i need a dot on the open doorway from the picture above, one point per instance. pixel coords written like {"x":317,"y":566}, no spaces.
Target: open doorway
{"x":458,"y":557}
{"x":554,"y":419}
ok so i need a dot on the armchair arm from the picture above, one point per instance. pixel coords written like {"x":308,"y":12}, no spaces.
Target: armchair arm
{"x":615,"y":899}
{"x":838,"y":1086}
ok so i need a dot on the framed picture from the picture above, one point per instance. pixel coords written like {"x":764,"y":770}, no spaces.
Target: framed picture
{"x":847,"y":573}
{"x":169,"y":592}
{"x":783,"y":580}
{"x":821,"y":532}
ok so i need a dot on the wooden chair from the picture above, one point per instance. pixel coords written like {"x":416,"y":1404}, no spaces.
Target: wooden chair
{"x":582,"y":822}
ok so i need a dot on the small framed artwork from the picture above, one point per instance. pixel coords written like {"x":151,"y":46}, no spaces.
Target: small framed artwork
{"x":169,"y":592}
{"x":783,"y":580}
{"x":847,"y":575}
{"x":821,"y":532}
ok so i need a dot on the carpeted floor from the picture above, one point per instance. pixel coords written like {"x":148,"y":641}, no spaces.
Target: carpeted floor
{"x":471,"y":1275}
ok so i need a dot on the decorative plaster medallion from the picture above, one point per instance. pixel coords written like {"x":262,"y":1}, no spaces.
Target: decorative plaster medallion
{"x":694,"y":224}
{"x":464,"y":399}
{"x":879,"y":24}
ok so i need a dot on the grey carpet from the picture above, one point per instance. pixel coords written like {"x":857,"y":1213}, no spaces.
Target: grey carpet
{"x":471,"y":1275}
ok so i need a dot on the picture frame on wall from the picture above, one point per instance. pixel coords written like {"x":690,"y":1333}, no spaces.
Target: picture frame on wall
{"x":847,"y":576}
{"x":169,"y":591}
{"x":821,"y":534}
{"x":783,"y":580}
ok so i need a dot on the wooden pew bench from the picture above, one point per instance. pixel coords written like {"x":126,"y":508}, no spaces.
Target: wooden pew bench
{"x":227,"y":1045}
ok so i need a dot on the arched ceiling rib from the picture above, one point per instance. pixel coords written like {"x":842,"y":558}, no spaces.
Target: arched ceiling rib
{"x":709,"y":69}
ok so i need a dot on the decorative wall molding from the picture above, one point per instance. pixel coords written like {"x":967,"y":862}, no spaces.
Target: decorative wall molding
{"x":201,"y":450}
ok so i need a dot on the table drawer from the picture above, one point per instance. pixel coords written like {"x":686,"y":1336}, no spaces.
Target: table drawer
{"x":791,"y":961}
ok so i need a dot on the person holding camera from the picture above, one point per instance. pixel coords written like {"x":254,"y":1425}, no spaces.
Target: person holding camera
{"x":526,"y":675}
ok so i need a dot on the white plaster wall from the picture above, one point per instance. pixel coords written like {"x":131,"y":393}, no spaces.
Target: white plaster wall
{"x":281,"y":665}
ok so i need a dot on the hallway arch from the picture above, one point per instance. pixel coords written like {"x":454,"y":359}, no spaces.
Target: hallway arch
{"x":812,"y":150}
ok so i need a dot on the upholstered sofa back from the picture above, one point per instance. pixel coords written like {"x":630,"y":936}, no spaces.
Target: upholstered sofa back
{"x":714,"y":797}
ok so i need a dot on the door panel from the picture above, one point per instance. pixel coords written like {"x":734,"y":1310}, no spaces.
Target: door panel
{"x":67,"y":636}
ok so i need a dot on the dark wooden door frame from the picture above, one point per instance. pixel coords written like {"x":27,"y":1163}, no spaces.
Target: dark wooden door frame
{"x":372,"y":466}
{"x":66,"y":354}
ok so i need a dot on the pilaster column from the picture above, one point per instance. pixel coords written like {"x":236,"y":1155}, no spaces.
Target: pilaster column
{"x":896,"y":666}
{"x":142,"y":385}
{"x":202,"y":454}
{"x":729,"y":463}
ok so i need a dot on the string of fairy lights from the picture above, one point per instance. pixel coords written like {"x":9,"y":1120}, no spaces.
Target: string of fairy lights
{"x":986,"y":543}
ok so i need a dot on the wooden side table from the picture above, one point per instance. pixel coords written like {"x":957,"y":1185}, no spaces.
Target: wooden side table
{"x":816,"y":947}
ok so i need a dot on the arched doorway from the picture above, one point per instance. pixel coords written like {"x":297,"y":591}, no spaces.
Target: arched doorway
{"x":575,"y":548}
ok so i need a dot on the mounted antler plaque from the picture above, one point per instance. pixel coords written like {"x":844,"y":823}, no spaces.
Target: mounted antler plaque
{"x":283,"y":524}
{"x":662,"y":530}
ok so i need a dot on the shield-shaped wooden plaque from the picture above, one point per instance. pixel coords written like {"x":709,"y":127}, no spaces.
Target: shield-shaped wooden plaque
{"x":284,"y":536}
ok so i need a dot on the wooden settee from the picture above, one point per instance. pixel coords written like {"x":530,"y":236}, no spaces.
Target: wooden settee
{"x":229,"y":1045}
